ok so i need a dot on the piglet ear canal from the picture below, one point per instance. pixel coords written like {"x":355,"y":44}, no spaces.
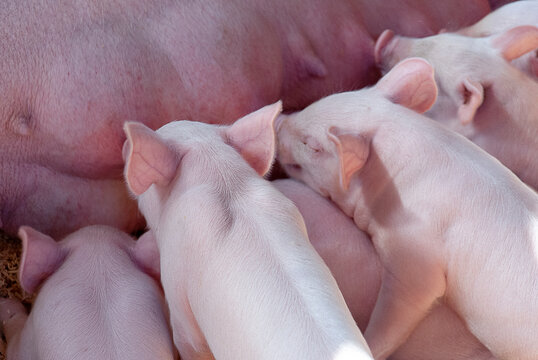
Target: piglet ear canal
{"x":146,"y":254}
{"x":353,"y":150}
{"x":148,"y":158}
{"x":410,"y":83}
{"x":516,"y":42}
{"x":472,"y":95}
{"x":41,"y":256}
{"x":253,"y":136}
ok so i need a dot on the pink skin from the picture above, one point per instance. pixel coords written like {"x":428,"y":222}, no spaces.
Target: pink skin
{"x":72,"y":75}
{"x":347,"y":251}
{"x":449,"y":222}
{"x":351,"y":257}
{"x":503,"y":19}
{"x":481,"y":95}
{"x":241,"y":279}
{"x":97,"y":299}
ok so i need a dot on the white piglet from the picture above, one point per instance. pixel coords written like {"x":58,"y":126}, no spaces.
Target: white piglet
{"x":449,"y":222}
{"x":97,"y":299}
{"x":241,"y":279}
{"x":481,"y":95}
{"x":504,"y":18}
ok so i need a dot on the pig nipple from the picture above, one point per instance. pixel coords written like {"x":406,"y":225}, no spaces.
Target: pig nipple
{"x":21,"y":125}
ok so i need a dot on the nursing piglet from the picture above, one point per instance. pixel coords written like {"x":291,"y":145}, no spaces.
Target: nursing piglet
{"x":97,"y":299}
{"x":351,"y":257}
{"x":481,"y":95}
{"x":240,"y":277}
{"x":448,"y":221}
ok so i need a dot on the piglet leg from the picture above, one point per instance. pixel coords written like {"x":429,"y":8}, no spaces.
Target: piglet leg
{"x":409,"y":288}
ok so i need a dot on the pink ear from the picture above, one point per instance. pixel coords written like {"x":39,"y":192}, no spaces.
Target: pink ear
{"x":146,"y":254}
{"x":148,"y":158}
{"x":380,"y":48}
{"x":353,"y":151}
{"x":472,"y":94}
{"x":516,"y":42}
{"x":253,"y":136}
{"x":410,"y":83}
{"x":533,"y":67}
{"x":41,"y":256}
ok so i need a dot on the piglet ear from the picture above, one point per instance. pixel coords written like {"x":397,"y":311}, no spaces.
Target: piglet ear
{"x":472,"y":96}
{"x":253,"y":136}
{"x":146,"y":254}
{"x":516,"y":42}
{"x":148,"y":158}
{"x":533,"y":65}
{"x":41,"y":256}
{"x":410,"y":83}
{"x":353,"y":150}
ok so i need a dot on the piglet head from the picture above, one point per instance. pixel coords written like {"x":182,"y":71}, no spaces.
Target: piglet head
{"x":253,"y":136}
{"x":41,"y":257}
{"x":329,"y":142}
{"x":319,"y":146}
{"x":304,"y":149}
{"x":149,"y":159}
{"x":464,"y":66}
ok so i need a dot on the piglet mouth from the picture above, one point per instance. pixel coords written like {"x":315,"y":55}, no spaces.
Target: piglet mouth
{"x":293,"y":167}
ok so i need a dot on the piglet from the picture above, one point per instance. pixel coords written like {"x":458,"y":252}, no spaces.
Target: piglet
{"x":481,"y":95}
{"x":240,"y":277}
{"x":351,"y":257}
{"x":450,"y":223}
{"x":506,"y":17}
{"x":98,"y":299}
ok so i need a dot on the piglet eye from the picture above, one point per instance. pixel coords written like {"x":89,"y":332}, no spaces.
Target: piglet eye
{"x":312,"y":145}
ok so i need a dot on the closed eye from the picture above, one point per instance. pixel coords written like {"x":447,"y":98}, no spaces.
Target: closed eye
{"x":312,"y":145}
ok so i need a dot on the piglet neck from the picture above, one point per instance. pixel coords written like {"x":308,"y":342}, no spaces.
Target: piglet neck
{"x":515,"y":89}
{"x":373,"y":198}
{"x":365,"y":191}
{"x":510,"y":112}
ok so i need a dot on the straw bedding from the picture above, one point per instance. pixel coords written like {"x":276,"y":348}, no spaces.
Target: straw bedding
{"x":10,"y":250}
